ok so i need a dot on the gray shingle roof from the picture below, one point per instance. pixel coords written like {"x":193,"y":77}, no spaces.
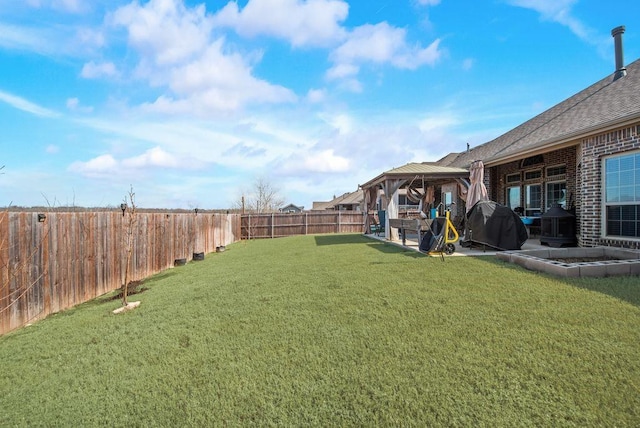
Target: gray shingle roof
{"x":351,"y":198}
{"x":602,"y":105}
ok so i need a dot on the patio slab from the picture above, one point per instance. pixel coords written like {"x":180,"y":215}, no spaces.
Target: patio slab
{"x":412,"y":244}
{"x":541,"y":258}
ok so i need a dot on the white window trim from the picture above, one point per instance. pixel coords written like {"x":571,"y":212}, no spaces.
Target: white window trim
{"x":506,"y":178}
{"x":603,"y":198}
{"x":533,"y":180}
{"x":556,"y":178}
{"x":546,"y":192}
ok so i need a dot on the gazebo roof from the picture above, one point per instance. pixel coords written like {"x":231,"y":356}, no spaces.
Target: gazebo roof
{"x":427,"y":171}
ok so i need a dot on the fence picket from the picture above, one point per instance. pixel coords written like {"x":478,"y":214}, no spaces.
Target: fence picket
{"x":72,"y":257}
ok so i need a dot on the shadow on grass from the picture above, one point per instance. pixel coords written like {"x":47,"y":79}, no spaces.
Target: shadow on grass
{"x":361,"y":239}
{"x":625,"y":288}
{"x":394,"y":249}
{"x":340,"y":239}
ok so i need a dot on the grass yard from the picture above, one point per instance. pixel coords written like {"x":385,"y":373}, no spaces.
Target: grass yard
{"x":335,"y":330}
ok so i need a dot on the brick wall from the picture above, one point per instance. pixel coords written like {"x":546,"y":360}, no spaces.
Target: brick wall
{"x":566,"y":156}
{"x":594,"y":149}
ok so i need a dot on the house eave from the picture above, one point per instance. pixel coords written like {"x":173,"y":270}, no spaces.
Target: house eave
{"x":568,"y":140}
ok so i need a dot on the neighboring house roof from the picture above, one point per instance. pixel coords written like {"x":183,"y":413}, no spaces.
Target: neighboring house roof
{"x":350,"y":198}
{"x":290,"y":207}
{"x":426,"y":170}
{"x":321,"y":206}
{"x":604,"y":105}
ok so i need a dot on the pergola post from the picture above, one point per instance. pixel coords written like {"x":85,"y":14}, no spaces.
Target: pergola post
{"x":391,"y":188}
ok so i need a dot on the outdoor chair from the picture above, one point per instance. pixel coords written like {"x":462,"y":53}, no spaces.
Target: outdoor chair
{"x":375,"y":226}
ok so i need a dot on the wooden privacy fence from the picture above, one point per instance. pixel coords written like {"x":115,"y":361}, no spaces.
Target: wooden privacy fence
{"x":68,"y":258}
{"x":273,"y":225}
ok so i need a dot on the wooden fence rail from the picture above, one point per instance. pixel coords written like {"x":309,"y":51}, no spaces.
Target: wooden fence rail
{"x":71,"y":257}
{"x":274,"y":225}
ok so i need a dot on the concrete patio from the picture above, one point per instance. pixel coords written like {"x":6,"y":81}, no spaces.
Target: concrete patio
{"x":412,"y":244}
{"x":542,"y":258}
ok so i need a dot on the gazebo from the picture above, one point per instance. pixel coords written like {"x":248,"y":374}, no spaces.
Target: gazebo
{"x":415,"y":176}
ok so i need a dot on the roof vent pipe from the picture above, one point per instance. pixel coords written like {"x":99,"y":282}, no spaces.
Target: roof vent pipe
{"x":621,"y":70}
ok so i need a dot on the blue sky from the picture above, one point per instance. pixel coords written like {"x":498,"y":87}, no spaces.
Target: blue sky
{"x":189,"y":102}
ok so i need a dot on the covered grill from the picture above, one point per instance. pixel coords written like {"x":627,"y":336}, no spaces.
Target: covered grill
{"x":558,"y":227}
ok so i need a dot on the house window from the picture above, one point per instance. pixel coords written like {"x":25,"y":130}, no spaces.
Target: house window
{"x":557,"y":172}
{"x":622,"y":195}
{"x":513,"y":197}
{"x":513,"y":178}
{"x":532,"y":160}
{"x":533,"y":175}
{"x":557,"y":194}
{"x":533,"y":200}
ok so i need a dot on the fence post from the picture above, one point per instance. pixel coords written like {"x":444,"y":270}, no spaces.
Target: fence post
{"x":306,"y":224}
{"x":272,"y":225}
{"x":338,"y":222}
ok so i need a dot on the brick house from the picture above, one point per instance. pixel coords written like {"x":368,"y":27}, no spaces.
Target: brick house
{"x":583,"y":154}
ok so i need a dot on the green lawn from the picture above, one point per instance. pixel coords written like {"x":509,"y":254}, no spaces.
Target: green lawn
{"x":335,"y":330}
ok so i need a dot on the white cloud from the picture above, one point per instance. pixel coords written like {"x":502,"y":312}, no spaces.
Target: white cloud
{"x":73,"y":104}
{"x":201,"y":75}
{"x":165,"y":30}
{"x":216,"y":82}
{"x":105,"y":165}
{"x":438,"y":123}
{"x":52,"y":149}
{"x":351,"y":85}
{"x":315,"y":96}
{"x":155,"y":157}
{"x":557,"y":11}
{"x":55,"y":40}
{"x":246,"y":146}
{"x":380,"y":44}
{"x":22,"y":38}
{"x":468,"y":63}
{"x":341,"y":71}
{"x":97,"y":167}
{"x":91,"y":70}
{"x":325,"y":161}
{"x":27,"y":106}
{"x":73,"y":6}
{"x":91,"y":37}
{"x":302,"y":23}
{"x":342,"y":122}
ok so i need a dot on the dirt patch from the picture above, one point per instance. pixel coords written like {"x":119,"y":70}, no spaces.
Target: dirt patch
{"x":584,"y":259}
{"x":135,"y":287}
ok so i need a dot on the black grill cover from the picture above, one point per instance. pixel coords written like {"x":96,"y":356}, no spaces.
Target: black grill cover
{"x":489,"y":223}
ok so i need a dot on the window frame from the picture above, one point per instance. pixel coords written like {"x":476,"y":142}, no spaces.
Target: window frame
{"x":546,"y":194}
{"x":513,"y":178}
{"x":507,"y":199}
{"x":606,"y":206}
{"x":535,"y":211}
